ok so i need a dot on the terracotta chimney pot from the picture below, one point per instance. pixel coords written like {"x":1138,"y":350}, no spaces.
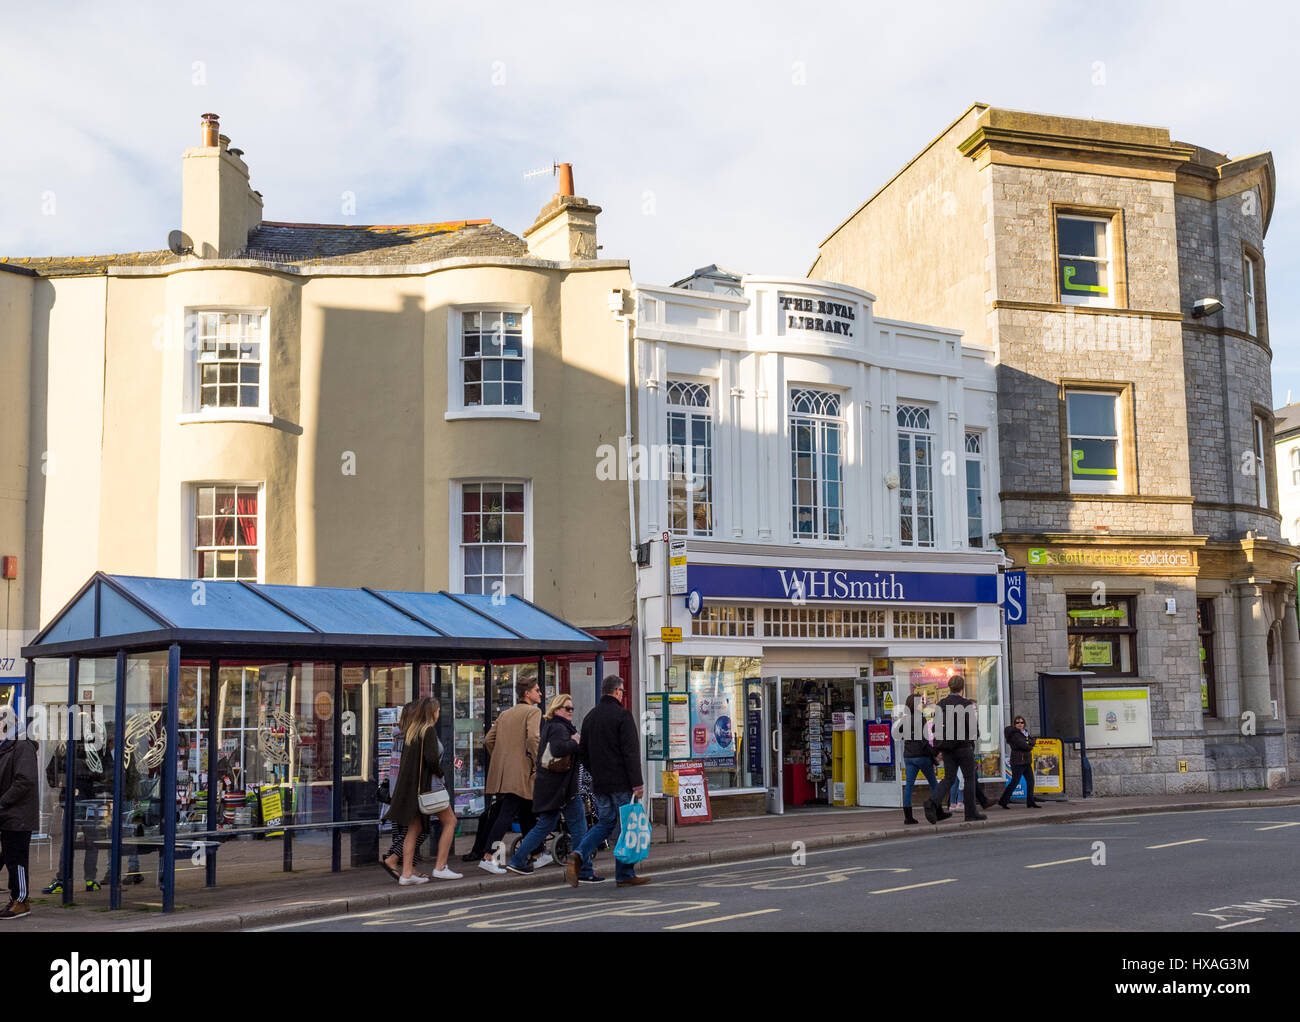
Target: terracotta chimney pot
{"x":211,"y":130}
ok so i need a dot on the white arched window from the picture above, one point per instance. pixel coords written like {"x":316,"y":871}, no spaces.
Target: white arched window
{"x":916,"y":476}
{"x":816,"y":464}
{"x":690,"y":459}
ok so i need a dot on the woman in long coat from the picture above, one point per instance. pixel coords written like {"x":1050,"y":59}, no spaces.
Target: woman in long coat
{"x":421,"y":762}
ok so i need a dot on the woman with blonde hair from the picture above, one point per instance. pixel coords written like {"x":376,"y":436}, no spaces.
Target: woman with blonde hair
{"x":392,"y":859}
{"x":421,"y":762}
{"x":555,"y":789}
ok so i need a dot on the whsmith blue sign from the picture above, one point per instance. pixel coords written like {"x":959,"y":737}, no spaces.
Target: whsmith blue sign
{"x":733,"y":581}
{"x":1017,"y":606}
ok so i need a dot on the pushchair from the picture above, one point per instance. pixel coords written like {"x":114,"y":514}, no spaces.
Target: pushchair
{"x":559,"y":843}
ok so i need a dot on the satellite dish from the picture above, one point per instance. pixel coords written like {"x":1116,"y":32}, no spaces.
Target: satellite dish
{"x":180,"y":243}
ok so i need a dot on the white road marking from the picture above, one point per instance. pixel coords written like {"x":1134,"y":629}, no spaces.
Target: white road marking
{"x":1060,"y":862}
{"x":1175,"y":844}
{"x":722,"y":919}
{"x":1244,"y":922}
{"x":912,"y":887}
{"x":1279,"y":826}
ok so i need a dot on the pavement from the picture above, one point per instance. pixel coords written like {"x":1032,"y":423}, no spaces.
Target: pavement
{"x":314,"y":892}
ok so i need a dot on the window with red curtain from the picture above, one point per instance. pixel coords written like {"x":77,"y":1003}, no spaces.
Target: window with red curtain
{"x":225,"y":532}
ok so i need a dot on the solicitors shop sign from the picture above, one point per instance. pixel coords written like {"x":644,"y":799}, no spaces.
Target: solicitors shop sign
{"x":756,"y":582}
{"x":818,"y":315}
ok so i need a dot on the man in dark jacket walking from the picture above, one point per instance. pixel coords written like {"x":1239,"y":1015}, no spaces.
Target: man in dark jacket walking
{"x":956,"y":727}
{"x":1017,"y":735}
{"x":19,"y":816}
{"x":611,"y":750}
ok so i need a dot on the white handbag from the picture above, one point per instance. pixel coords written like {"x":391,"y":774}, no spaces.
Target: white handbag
{"x":436,"y":799}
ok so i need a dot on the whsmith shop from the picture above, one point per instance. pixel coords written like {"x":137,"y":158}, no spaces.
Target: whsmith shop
{"x":830,"y":516}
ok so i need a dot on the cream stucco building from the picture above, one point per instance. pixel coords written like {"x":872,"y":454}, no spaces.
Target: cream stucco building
{"x":411,"y":406}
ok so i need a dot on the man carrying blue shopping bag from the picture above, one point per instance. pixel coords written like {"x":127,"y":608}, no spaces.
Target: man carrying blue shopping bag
{"x":610,"y":749}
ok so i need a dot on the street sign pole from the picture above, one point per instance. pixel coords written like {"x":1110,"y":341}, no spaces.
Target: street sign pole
{"x":668,"y":660}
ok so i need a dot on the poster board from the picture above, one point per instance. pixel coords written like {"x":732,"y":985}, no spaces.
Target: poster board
{"x":1048,"y":759}
{"x":880,"y":745}
{"x":713,"y":717}
{"x":692,"y":801}
{"x":1117,"y":717}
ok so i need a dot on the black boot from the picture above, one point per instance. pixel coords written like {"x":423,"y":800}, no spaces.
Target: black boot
{"x":907,"y":815}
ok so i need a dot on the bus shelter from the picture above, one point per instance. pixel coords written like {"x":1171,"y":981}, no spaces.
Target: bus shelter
{"x":176,"y":716}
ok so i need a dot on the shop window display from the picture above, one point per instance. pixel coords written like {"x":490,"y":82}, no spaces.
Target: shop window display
{"x":928,"y":680}
{"x":723,"y":692}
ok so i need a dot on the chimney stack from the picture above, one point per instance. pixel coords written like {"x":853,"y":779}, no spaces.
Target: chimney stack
{"x":565,"y":229}
{"x":218,"y":209}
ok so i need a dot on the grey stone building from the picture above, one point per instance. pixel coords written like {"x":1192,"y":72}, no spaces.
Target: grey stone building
{"x":1119,"y":277}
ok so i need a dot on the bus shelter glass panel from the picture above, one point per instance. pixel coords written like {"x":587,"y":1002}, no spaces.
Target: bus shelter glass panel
{"x":92,"y":736}
{"x":469,"y":707}
{"x":144,"y":748}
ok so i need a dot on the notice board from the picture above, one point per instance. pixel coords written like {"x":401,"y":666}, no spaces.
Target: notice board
{"x":1117,"y":718}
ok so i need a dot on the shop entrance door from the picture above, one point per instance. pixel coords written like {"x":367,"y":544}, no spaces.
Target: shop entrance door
{"x":877,"y":782}
{"x":773,"y":755}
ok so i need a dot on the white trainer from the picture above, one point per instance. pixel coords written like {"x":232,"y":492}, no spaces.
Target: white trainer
{"x":446,"y":874}
{"x":414,"y":878}
{"x":543,"y":860}
{"x":490,"y":866}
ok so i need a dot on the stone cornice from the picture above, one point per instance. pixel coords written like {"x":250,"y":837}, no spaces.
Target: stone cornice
{"x":1083,"y":498}
{"x":1085,"y":310}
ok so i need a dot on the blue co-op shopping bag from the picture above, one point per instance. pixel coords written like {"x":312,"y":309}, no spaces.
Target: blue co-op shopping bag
{"x":634,"y":834}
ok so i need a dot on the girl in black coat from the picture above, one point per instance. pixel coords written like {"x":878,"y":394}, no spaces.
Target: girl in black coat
{"x":1018,"y":738}
{"x":421,"y":762}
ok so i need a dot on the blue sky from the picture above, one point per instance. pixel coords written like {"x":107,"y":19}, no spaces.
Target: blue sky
{"x":731,"y":133}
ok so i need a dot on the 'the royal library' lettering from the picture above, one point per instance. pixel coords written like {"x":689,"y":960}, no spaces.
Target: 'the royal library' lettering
{"x":826,"y":325}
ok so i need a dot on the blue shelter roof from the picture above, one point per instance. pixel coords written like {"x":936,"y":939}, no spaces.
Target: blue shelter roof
{"x":112,"y":612}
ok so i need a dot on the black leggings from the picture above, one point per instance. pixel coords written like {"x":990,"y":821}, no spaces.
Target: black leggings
{"x":15,"y":848}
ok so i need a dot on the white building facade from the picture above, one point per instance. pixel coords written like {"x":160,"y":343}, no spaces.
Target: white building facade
{"x":833,"y":476}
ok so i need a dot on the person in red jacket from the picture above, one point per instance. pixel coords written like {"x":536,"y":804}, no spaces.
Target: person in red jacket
{"x":19,"y":816}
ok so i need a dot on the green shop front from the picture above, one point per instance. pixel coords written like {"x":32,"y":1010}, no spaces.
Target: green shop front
{"x":189,"y":731}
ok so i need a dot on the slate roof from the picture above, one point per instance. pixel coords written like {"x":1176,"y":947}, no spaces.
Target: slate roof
{"x":319,"y":245}
{"x":1286,"y":421}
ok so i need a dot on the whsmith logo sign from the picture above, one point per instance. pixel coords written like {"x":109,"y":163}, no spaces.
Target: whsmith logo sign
{"x":817,"y":314}
{"x":728,"y":581}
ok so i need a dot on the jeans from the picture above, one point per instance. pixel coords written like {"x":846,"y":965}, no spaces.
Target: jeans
{"x":914,"y":765}
{"x":607,"y":826}
{"x":575,"y":817}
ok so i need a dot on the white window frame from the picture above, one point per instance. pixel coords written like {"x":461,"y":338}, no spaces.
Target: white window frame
{"x":190,"y":509}
{"x":1261,"y":464}
{"x":690,"y":412}
{"x":1099,"y":486}
{"x":456,"y":549}
{"x":191,"y":401}
{"x":1295,"y":466}
{"x":976,"y":457}
{"x":1249,"y":277}
{"x":820,"y":423}
{"x":912,"y":434}
{"x":1067,"y":298}
{"x":456,"y":407}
